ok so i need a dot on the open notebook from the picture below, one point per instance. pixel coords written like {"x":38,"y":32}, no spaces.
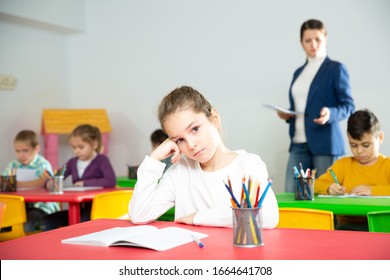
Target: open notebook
{"x":145,"y":236}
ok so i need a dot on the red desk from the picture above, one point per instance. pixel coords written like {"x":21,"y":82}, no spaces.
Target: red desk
{"x":280,"y":244}
{"x":74,"y":198}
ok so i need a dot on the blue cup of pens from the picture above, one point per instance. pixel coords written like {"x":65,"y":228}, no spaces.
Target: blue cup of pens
{"x":247,"y":216}
{"x":304,"y":188}
{"x":304,"y":183}
{"x":247,"y":227}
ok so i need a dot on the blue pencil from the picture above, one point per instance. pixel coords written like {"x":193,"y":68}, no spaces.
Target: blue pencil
{"x":308,"y":187}
{"x":296,"y":176}
{"x":246,"y":193}
{"x":296,"y":172}
{"x":232,"y":195}
{"x":265,"y":192}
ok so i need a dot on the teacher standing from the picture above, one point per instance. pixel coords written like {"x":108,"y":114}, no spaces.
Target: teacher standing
{"x":321,"y":90}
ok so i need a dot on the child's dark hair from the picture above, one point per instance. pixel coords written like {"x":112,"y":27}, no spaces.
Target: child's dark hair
{"x":89,"y":133}
{"x":27,"y":136}
{"x":361,"y":122}
{"x":183,"y":98}
{"x":312,"y":24}
{"x":158,"y":136}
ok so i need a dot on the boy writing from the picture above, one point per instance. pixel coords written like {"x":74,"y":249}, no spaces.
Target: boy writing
{"x":367,"y":172}
{"x":26,"y":146}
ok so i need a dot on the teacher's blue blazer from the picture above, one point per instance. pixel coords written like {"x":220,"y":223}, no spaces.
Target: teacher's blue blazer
{"x":330,"y":88}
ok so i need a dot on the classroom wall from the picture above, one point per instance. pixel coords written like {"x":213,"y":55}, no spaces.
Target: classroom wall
{"x":239,"y":54}
{"x":59,"y":15}
{"x":33,"y":49}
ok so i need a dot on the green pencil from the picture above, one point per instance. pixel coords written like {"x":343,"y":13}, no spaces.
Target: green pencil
{"x":334,"y":178}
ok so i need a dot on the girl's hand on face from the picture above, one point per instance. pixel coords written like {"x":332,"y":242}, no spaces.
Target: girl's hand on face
{"x":166,"y":149}
{"x":361,"y":190}
{"x":335,"y":189}
{"x":324,"y":116}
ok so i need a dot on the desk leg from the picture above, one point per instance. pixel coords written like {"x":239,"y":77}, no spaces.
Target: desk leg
{"x":74,"y":213}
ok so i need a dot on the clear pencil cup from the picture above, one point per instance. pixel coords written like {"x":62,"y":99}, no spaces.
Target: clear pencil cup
{"x":247,"y":227}
{"x":8,"y":183}
{"x":55,"y":185}
{"x":304,"y":188}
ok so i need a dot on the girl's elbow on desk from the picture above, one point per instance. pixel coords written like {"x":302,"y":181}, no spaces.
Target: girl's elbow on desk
{"x":137,"y":217}
{"x":137,"y":221}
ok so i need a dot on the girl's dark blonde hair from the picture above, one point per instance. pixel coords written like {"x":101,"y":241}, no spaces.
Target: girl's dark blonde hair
{"x":89,"y":133}
{"x":181,"y":98}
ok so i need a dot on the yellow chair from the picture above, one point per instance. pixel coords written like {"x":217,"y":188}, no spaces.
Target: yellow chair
{"x":2,"y":209}
{"x":305,"y":218}
{"x":111,"y":205}
{"x":14,"y":217}
{"x":379,"y":221}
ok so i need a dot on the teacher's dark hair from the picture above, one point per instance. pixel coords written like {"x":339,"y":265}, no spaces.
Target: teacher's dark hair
{"x":313,"y":24}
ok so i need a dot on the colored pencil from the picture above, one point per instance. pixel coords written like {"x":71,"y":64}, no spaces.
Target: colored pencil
{"x":265,"y":193}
